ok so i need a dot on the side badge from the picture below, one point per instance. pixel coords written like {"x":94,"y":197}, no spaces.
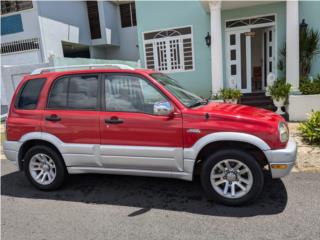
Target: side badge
{"x":193,"y":130}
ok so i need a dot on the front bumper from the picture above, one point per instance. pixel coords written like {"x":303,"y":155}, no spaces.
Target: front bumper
{"x":11,"y":151}
{"x":282,"y":157}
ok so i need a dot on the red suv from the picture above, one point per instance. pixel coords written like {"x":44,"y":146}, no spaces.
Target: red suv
{"x":141,"y":122}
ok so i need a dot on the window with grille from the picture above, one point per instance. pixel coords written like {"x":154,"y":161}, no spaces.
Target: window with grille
{"x":169,"y":50}
{"x":20,"y":46}
{"x":250,"y":21}
{"x":128,"y":15}
{"x":14,"y":6}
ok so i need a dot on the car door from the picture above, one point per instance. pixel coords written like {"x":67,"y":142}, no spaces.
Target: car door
{"x":72,"y":116}
{"x":132,"y":136}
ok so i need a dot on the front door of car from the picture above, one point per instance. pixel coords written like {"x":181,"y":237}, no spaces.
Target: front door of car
{"x":72,"y":116}
{"x":133,"y":136}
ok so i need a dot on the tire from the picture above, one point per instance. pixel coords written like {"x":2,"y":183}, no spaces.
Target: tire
{"x":39,"y":157}
{"x":249,"y":176}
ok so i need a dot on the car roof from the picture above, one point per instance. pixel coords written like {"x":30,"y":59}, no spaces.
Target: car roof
{"x":86,"y":71}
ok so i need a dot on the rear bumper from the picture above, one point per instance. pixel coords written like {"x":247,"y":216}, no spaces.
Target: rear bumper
{"x":285,"y":157}
{"x":11,"y":151}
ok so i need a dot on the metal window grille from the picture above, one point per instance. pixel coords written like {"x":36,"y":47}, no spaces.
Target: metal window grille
{"x":250,"y":21}
{"x":20,"y":46}
{"x":169,"y":50}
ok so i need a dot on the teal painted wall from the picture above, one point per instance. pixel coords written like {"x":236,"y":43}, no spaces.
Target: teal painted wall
{"x":276,"y":8}
{"x":156,"y":15}
{"x":310,"y":11}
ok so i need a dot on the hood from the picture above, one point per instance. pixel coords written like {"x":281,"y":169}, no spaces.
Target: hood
{"x":238,"y":111}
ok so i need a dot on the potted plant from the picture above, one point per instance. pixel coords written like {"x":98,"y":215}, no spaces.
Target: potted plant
{"x":279,"y":92}
{"x":230,"y":95}
{"x":216,"y":98}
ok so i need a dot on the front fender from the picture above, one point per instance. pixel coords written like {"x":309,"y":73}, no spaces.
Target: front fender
{"x":192,"y":152}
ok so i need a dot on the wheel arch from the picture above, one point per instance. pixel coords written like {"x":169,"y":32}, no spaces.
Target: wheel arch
{"x":34,"y":139}
{"x":224,"y":140}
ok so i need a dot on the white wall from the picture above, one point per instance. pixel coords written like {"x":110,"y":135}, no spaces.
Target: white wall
{"x":22,"y":58}
{"x":31,"y":29}
{"x":53,"y":33}
{"x":30,"y":26}
{"x":63,"y":21}
{"x":301,"y":105}
{"x":98,"y":52}
{"x":11,"y":77}
{"x":127,"y":49}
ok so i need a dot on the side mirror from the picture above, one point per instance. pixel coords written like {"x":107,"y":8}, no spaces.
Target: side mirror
{"x":163,"y":108}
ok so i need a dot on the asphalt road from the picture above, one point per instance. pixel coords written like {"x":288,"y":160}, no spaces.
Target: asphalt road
{"x":121,"y":207}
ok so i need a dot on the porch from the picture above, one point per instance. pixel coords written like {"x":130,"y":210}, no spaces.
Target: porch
{"x":245,"y":45}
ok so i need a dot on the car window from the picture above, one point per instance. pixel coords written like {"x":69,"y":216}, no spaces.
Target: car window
{"x":127,"y":93}
{"x":29,"y":94}
{"x":75,"y":92}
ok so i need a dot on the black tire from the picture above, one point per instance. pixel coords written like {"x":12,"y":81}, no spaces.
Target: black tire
{"x":243,"y":157}
{"x":61,"y":172}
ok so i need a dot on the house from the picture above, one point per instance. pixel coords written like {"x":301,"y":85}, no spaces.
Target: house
{"x":209,"y":45}
{"x":32,"y":31}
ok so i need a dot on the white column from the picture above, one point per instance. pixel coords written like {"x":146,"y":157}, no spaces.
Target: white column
{"x":292,"y":46}
{"x":216,"y":46}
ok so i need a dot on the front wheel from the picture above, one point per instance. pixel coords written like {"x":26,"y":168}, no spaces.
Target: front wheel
{"x":232,"y":177}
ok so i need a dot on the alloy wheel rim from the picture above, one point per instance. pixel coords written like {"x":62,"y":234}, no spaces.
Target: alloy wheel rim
{"x":42,"y":169}
{"x":231,"y":178}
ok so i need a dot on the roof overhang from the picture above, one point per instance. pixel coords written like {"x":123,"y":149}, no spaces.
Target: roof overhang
{"x":231,"y":4}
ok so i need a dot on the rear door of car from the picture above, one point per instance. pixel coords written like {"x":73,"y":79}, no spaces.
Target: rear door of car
{"x":72,"y":116}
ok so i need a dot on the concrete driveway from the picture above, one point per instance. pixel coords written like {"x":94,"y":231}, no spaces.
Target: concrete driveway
{"x":122,"y":207}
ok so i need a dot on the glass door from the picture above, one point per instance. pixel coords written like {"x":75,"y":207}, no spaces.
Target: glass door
{"x":269,"y":57}
{"x":239,"y":60}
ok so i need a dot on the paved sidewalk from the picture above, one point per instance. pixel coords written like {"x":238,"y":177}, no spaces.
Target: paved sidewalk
{"x":308,"y":159}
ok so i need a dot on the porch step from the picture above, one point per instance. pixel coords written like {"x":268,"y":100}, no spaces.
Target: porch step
{"x":259,"y":100}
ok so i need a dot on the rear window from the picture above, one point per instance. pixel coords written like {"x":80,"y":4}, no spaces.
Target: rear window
{"x":29,"y":94}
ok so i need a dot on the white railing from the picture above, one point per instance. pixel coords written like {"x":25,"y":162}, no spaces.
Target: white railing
{"x":20,"y":46}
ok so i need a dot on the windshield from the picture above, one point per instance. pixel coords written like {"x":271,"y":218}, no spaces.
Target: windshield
{"x":185,"y":97}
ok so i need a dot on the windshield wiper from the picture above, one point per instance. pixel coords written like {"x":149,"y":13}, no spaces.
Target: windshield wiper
{"x":198,"y":103}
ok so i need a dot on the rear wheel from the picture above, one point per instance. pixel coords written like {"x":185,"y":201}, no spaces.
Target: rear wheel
{"x":232,"y":177}
{"x":44,"y":168}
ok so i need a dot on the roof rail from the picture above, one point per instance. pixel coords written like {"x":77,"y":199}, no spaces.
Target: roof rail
{"x":90,"y":66}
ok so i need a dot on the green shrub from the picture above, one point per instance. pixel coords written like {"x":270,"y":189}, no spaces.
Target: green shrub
{"x":310,"y":129}
{"x":230,"y":93}
{"x":279,"y":89}
{"x":216,"y":97}
{"x":308,"y":87}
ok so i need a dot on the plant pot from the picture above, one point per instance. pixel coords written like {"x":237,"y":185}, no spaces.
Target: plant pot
{"x":232,"y":101}
{"x":217,"y":101}
{"x":279,"y":103}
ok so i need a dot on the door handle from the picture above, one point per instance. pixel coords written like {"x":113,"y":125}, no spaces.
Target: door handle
{"x":113,"y":120}
{"x":53,"y":118}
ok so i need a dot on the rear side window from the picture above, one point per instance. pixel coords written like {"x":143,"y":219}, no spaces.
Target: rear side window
{"x":75,"y":92}
{"x":29,"y":94}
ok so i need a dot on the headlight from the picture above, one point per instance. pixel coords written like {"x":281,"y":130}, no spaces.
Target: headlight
{"x":283,"y":132}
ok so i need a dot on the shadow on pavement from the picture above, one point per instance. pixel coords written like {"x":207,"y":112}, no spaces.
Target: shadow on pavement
{"x":146,"y":193}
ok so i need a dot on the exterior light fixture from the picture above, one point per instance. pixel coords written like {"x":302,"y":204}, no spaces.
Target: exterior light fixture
{"x":303,"y":25}
{"x":208,"y":39}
